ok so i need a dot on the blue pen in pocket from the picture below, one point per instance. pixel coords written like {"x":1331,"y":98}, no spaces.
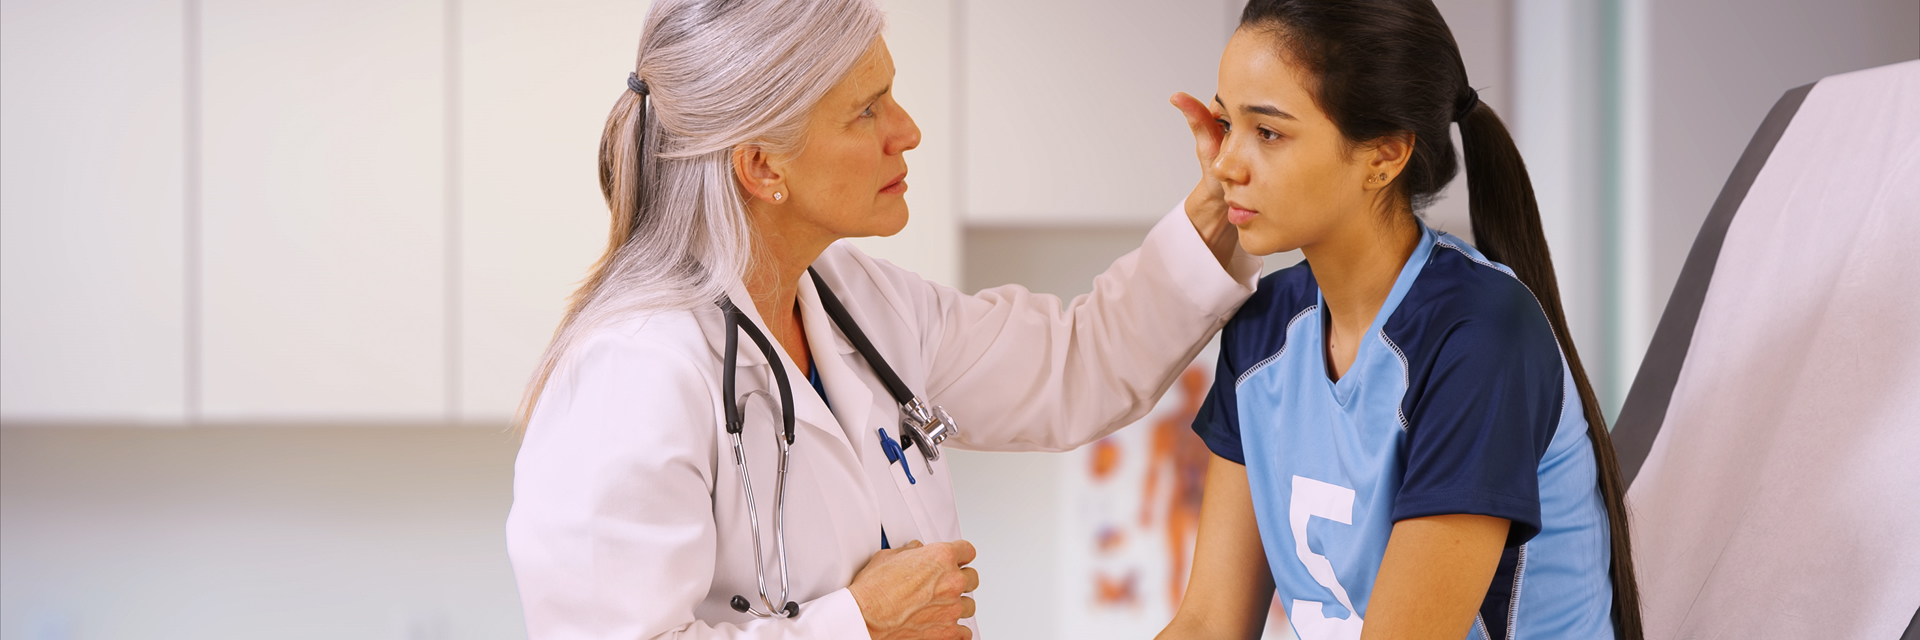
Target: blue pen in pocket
{"x":896,"y":454}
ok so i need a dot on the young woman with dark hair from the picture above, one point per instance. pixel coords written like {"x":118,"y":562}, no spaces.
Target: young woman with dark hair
{"x":1406,"y":445}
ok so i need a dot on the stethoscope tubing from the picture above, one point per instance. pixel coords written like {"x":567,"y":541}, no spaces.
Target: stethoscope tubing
{"x":911,"y":405}
{"x":735,"y":425}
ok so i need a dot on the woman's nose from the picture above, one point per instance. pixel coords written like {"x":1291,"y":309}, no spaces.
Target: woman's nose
{"x":906,"y":135}
{"x":1228,"y":167}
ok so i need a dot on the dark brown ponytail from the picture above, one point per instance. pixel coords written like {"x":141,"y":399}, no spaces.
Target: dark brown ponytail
{"x":1506,"y":228}
{"x":1391,"y":68}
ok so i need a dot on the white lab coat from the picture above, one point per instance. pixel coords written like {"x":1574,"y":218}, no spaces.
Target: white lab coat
{"x":628,"y":519}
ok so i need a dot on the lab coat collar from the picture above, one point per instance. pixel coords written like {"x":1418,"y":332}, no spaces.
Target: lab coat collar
{"x":809,"y":304}
{"x":808,"y":408}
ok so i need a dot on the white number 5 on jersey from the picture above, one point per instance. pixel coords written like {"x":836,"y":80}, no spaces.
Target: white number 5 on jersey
{"x":1316,"y":499}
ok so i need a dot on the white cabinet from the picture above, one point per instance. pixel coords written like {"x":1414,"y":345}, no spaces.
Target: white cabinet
{"x":537,"y":82}
{"x":325,"y":254}
{"x":367,"y":249}
{"x":91,"y":211}
{"x":1065,"y":106}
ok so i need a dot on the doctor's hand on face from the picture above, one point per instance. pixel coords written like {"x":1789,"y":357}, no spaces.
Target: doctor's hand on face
{"x":917,"y":591}
{"x":1207,"y":205}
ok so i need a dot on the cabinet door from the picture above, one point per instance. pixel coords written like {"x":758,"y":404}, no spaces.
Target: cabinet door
{"x":325,"y":213}
{"x":1065,"y":106}
{"x":92,"y":224}
{"x":537,"y":82}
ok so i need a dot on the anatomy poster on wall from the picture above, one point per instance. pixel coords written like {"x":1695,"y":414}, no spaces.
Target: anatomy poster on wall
{"x":1133,"y":509}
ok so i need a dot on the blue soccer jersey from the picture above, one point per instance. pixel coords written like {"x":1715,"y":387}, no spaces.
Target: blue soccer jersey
{"x":1458,"y":401}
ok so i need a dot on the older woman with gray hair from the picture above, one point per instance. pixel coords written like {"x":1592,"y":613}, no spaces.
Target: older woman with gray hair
{"x":677,"y":480}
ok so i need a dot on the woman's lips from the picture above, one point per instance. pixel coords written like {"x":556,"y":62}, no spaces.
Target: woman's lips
{"x":896,"y":187}
{"x":1238,"y":216}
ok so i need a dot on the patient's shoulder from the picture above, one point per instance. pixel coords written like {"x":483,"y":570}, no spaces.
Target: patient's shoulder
{"x":1259,"y":329}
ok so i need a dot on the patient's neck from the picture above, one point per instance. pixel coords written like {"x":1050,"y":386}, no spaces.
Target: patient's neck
{"x":1356,"y":267}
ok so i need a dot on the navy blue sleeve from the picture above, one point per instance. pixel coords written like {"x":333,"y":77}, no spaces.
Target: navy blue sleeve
{"x":1257,"y":330}
{"x":1482,"y":405}
{"x":1218,"y":422}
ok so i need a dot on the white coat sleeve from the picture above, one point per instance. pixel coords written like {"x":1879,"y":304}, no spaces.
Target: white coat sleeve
{"x":1019,"y":373}
{"x":611,"y":533}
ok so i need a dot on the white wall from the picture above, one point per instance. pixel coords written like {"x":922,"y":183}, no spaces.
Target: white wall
{"x":375,"y":533}
{"x":1078,"y":129}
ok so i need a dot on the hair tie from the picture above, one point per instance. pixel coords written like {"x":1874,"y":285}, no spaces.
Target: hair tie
{"x":1466,"y":104}
{"x":636,"y":85}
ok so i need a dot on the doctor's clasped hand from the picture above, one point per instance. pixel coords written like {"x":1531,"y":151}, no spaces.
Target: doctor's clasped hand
{"x":915,"y":591}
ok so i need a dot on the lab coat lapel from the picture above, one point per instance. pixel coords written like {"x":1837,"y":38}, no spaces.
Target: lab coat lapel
{"x":851,"y":397}
{"x":809,"y":412}
{"x":855,"y":404}
{"x":829,"y":484}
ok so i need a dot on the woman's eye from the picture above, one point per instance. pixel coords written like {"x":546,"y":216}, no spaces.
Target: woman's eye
{"x":1269,"y":134}
{"x":1225,"y":127}
{"x":867,"y":113}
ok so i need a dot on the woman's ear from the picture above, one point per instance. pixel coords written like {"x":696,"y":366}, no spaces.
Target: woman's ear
{"x":759,"y":173}
{"x":1385,"y":158}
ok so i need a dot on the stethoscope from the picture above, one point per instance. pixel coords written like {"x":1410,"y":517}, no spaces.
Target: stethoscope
{"x":922,"y":425}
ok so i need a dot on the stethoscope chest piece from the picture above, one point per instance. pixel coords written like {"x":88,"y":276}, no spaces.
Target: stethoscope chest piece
{"x":925,"y":426}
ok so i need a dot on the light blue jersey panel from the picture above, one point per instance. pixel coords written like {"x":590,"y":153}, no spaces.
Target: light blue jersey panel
{"x":1458,"y":402}
{"x":1325,"y":517}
